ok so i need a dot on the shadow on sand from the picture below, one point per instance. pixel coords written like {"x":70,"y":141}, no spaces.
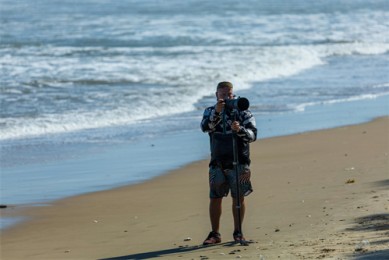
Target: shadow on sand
{"x":378,"y":255}
{"x":171,"y":251}
{"x":381,"y":184}
{"x":376,"y":222}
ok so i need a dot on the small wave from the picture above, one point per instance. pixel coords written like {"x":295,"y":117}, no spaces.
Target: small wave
{"x":93,"y":82}
{"x":356,"y":48}
{"x":302,"y":107}
{"x":383,"y":85}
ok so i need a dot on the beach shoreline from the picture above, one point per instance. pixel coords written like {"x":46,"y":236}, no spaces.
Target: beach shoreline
{"x":317,"y":194}
{"x":41,"y":171}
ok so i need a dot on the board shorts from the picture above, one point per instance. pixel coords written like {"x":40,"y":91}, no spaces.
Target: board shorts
{"x":221,"y":181}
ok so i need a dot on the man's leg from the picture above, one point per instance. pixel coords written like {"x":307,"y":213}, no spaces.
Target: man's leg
{"x":218,"y":188}
{"x":235,"y":212}
{"x":215,"y":212}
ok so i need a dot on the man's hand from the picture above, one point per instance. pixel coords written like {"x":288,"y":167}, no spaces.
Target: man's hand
{"x":220,"y":105}
{"x":235,"y":126}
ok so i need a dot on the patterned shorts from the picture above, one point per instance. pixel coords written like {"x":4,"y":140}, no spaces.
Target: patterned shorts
{"x":221,"y":181}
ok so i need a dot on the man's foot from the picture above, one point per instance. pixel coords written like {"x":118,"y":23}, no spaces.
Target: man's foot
{"x":239,"y":238}
{"x":213,"y":238}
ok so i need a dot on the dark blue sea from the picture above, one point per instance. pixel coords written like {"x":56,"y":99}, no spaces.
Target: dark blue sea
{"x":97,"y":94}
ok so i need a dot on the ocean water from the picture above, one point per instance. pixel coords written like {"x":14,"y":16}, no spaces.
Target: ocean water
{"x":97,"y":93}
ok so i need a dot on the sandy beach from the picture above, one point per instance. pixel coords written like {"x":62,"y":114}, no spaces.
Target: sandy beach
{"x":317,"y":195}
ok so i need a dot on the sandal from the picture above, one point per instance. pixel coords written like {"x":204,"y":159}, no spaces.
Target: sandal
{"x":213,"y":238}
{"x":238,"y":236}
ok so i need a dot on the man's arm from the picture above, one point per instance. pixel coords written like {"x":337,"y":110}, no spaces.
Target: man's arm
{"x":248,"y":129}
{"x":210,"y":120}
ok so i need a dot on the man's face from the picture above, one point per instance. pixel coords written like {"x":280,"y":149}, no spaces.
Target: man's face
{"x":225,"y":93}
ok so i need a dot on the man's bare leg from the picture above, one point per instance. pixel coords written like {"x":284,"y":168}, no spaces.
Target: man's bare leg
{"x":215,"y":212}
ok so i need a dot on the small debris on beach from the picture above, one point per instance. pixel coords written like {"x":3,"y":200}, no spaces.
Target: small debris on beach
{"x":3,"y":206}
{"x":96,"y":221}
{"x":349,"y":169}
{"x":361,"y":247}
{"x":328,"y":250}
{"x":233,"y":252}
{"x":349,"y":181}
{"x":277,"y":230}
{"x":188,"y":239}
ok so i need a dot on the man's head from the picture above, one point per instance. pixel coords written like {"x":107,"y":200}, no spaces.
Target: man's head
{"x":224,"y":90}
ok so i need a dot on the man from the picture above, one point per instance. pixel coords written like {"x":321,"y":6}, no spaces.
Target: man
{"x":221,"y":122}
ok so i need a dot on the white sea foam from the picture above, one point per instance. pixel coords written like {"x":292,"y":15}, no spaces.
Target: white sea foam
{"x":184,"y":79}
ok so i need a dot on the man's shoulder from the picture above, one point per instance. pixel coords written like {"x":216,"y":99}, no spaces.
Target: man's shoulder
{"x":208,"y":110}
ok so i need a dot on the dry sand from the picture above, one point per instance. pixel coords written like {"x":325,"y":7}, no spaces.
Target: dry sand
{"x":317,"y":195}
